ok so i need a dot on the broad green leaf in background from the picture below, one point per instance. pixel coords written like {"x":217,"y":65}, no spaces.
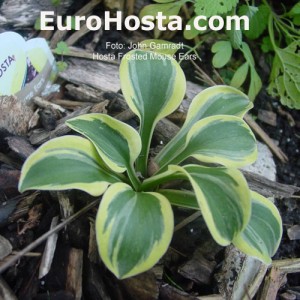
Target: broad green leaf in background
{"x":217,"y":100}
{"x":295,"y":10}
{"x":56,"y":2}
{"x":255,"y":84}
{"x":262,"y":235}
{"x":153,"y":88}
{"x":193,"y":32}
{"x":159,"y":46}
{"x":223,"y":197}
{"x":116,"y":142}
{"x":236,"y":37}
{"x":248,"y":54}
{"x":285,"y":75}
{"x":247,"y":10}
{"x":68,"y":162}
{"x":134,"y":229}
{"x":258,"y":17}
{"x":223,"y":52}
{"x":294,"y":13}
{"x":221,"y":139}
{"x":296,"y":20}
{"x":167,"y":9}
{"x":211,"y":8}
{"x":240,"y":75}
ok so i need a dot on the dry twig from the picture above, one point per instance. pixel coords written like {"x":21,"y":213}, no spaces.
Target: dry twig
{"x":43,"y":237}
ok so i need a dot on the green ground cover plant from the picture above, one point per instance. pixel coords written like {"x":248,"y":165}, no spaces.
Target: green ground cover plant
{"x":276,"y":34}
{"x":135,"y":223}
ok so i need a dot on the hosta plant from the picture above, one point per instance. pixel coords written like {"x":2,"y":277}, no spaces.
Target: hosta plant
{"x":134,"y":223}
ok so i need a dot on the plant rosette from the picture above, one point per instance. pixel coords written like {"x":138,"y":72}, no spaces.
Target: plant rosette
{"x":134,"y":223}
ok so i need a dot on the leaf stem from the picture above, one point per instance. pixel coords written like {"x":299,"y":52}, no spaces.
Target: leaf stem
{"x":191,"y":49}
{"x":142,"y":161}
{"x":285,"y":27}
{"x":271,"y":32}
{"x":173,"y":160}
{"x":133,"y":178}
{"x":118,"y":176}
{"x":155,"y":181}
{"x":280,"y":23}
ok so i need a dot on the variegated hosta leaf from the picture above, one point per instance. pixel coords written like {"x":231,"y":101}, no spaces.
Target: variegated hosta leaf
{"x":225,"y":140}
{"x":217,"y":100}
{"x":68,"y":162}
{"x":133,"y":229}
{"x":261,"y":237}
{"x":180,"y":198}
{"x":223,"y":197}
{"x":153,"y":85}
{"x":117,"y":143}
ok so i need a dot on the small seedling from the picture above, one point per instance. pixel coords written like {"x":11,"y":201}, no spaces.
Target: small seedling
{"x":61,"y":49}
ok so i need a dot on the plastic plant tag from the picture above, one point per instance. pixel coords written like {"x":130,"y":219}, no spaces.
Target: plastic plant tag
{"x":26,"y":67}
